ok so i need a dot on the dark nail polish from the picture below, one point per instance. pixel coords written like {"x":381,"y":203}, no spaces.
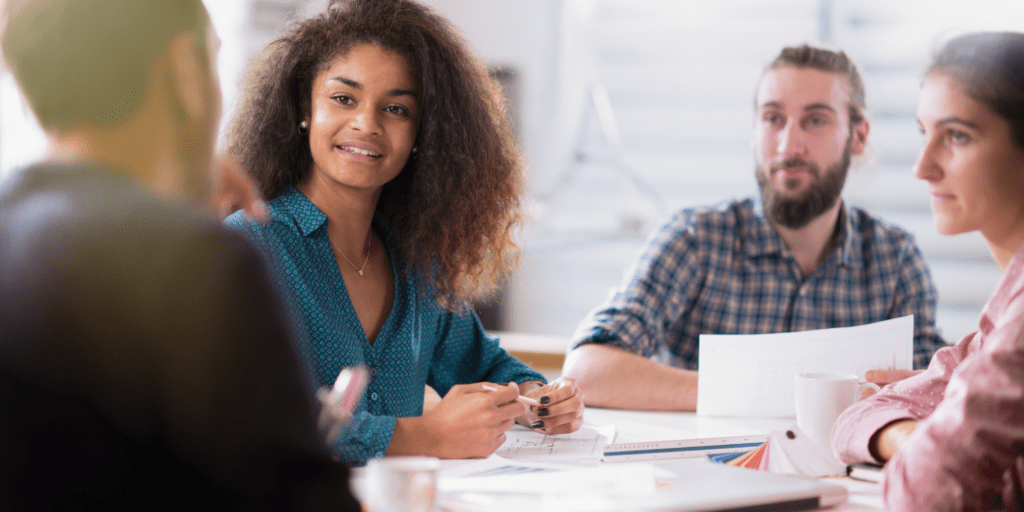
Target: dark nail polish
{"x":544,"y":400}
{"x":542,"y":412}
{"x":537,"y":424}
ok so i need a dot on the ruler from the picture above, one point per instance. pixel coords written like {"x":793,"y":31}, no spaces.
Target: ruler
{"x":686,"y":448}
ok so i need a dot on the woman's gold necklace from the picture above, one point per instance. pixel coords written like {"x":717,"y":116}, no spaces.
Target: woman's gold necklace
{"x":358,"y":269}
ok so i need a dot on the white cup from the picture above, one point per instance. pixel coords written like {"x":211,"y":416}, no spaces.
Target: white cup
{"x":821,"y":398}
{"x":401,"y":484}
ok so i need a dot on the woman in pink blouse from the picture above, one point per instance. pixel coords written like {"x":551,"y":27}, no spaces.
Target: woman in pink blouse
{"x":952,"y":437}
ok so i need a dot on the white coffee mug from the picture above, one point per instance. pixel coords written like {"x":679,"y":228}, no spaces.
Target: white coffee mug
{"x":401,"y":484}
{"x":821,"y":398}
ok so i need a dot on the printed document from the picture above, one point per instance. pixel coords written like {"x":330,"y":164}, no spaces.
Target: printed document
{"x":585,"y":443}
{"x":753,"y":375}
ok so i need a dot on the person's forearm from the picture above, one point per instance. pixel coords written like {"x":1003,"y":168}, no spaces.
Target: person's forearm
{"x":412,"y":437}
{"x":891,"y":438}
{"x":611,"y":377}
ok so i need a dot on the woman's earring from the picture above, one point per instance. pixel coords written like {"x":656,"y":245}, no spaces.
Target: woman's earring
{"x":415,"y":149}
{"x":304,"y":127}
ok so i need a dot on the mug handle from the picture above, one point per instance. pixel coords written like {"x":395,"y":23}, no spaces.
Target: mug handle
{"x":867,"y":385}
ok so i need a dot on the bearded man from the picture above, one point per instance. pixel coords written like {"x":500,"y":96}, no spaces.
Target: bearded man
{"x":796,"y":258}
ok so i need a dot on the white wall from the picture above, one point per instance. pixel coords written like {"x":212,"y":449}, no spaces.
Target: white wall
{"x":23,"y":142}
{"x":522,"y":35}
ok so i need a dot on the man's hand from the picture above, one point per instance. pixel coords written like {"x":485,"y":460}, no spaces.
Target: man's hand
{"x":233,"y":189}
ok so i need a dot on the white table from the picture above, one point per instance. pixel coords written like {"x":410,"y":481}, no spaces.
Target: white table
{"x":641,"y":426}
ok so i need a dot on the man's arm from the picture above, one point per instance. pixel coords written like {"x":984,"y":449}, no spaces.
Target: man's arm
{"x":611,"y":347}
{"x":612,"y":377}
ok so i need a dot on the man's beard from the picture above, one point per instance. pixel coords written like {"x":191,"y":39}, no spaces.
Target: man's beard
{"x":797,"y":212}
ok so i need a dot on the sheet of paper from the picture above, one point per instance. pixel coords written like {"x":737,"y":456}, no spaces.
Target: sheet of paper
{"x":752,"y":375}
{"x":642,"y":432}
{"x":518,"y":477}
{"x":496,"y":465}
{"x":585,"y":443}
{"x":791,"y":452}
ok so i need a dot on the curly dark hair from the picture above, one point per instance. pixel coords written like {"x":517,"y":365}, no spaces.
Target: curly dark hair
{"x":455,"y":205}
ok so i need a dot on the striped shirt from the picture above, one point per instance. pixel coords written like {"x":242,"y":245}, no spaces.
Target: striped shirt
{"x":724,"y":270}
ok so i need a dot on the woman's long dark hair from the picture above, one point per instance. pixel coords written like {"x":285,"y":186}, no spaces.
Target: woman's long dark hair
{"x":455,"y":204}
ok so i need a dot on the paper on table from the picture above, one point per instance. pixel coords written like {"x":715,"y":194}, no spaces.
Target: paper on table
{"x":585,"y":443}
{"x":791,"y":452}
{"x":496,"y":465}
{"x":644,"y":432}
{"x":752,"y":375}
{"x":517,"y":477}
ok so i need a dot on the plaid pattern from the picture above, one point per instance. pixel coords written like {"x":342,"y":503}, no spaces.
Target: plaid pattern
{"x":724,"y":270}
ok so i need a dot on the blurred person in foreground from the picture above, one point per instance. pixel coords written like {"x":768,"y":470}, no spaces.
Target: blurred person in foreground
{"x":394,"y":190}
{"x":952,"y":438}
{"x":796,"y":258}
{"x":144,"y":362}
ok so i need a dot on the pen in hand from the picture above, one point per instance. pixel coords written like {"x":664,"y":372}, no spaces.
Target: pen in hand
{"x":521,"y":398}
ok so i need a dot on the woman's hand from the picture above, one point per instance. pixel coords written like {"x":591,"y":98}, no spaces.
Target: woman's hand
{"x":886,"y":377}
{"x":468,"y":422}
{"x":560,"y":410}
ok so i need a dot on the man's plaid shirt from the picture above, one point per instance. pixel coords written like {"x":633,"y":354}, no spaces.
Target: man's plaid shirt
{"x":724,"y":270}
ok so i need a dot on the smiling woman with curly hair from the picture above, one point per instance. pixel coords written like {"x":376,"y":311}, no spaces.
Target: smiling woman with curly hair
{"x":394,"y":189}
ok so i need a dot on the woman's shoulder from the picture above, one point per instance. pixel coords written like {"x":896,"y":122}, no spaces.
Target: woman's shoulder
{"x":253,"y":229}
{"x":287,"y":218}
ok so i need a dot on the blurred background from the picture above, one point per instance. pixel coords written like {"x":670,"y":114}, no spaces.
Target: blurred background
{"x":627,"y":110}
